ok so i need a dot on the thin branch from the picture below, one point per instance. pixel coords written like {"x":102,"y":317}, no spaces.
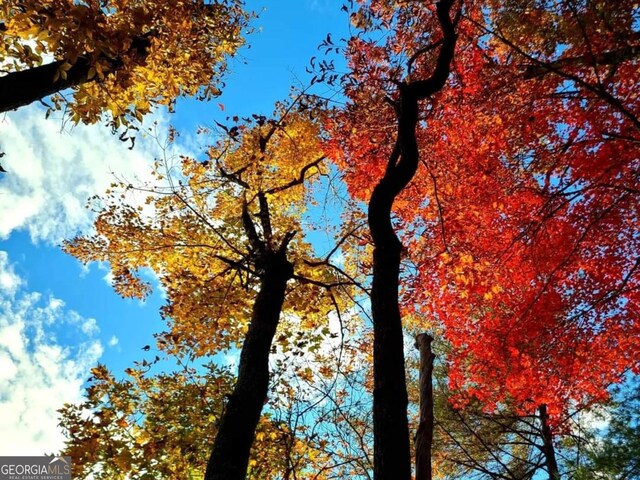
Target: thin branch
{"x":297,"y":181}
{"x":421,"y":51}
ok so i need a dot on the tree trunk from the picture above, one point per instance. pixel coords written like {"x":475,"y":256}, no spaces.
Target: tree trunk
{"x":230,"y":456}
{"x":392,"y":455}
{"x":21,"y":88}
{"x":547,"y":445}
{"x":392,"y":460}
{"x":18,"y":89}
{"x":424,"y":435}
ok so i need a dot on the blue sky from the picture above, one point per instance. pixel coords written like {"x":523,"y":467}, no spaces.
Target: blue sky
{"x":57,"y":318}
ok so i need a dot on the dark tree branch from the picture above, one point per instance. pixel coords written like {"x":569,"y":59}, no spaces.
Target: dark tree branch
{"x":611,"y":57}
{"x":265,"y":219}
{"x":424,"y":435}
{"x":391,"y":431}
{"x":234,"y":176}
{"x":548,"y":448}
{"x":297,"y":181}
{"x":257,"y":245}
{"x":21,"y":88}
{"x":597,"y":90}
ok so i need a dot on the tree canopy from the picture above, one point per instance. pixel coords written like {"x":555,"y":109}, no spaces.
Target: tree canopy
{"x":528,"y":167}
{"x":494,"y":148}
{"x":118,"y":57}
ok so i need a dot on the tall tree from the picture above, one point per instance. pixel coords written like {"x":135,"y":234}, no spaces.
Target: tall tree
{"x":373,"y":68}
{"x":521,"y":225}
{"x":159,"y":424}
{"x":534,"y":269}
{"x":222,"y":240}
{"x":119,"y":57}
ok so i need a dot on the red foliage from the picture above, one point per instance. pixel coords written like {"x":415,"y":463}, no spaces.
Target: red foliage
{"x":522,"y":220}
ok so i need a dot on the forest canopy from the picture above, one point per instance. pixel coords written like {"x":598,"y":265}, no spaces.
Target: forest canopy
{"x":462,"y":175}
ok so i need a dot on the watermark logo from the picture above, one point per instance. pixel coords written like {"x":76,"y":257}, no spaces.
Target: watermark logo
{"x":35,"y":468}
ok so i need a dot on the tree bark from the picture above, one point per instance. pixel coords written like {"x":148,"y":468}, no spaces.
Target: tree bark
{"x":230,"y":456}
{"x":424,"y":435}
{"x":21,"y":88}
{"x":391,"y":431}
{"x":392,"y":456}
{"x":18,"y":89}
{"x":547,"y":445}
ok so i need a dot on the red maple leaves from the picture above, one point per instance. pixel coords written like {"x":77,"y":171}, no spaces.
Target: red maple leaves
{"x":521,"y":224}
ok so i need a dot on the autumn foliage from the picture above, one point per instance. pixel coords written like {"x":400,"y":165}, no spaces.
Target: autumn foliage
{"x":496,"y":146}
{"x":190,"y":231}
{"x":521,"y":223}
{"x":120,"y":57}
{"x":223,"y":237}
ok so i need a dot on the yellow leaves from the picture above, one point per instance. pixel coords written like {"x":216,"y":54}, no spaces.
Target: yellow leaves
{"x":142,"y":437}
{"x":61,"y":72}
{"x":291,"y":156}
{"x":147,"y":50}
{"x":147,"y":425}
{"x":101,"y":373}
{"x":466,"y":259}
{"x":325,"y":371}
{"x":190,"y":234}
{"x":99,"y":69}
{"x":305,"y":374}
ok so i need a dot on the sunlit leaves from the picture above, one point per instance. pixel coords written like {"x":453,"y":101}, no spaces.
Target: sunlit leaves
{"x":161,"y":426}
{"x":139,"y":54}
{"x":521,"y":223}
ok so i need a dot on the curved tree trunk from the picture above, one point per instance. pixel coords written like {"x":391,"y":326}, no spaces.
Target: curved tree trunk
{"x":230,"y":455}
{"x":392,"y":456}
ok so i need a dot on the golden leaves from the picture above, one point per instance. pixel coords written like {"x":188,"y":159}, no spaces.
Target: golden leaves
{"x":139,"y":54}
{"x":148,"y":423}
{"x":190,"y":232}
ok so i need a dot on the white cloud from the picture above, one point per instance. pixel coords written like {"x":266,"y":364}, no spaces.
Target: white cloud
{"x":38,"y":374}
{"x":9,"y":281}
{"x":231,"y":358}
{"x":113,"y":341}
{"x":322,"y":6}
{"x":108,"y":277}
{"x":52,"y":173}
